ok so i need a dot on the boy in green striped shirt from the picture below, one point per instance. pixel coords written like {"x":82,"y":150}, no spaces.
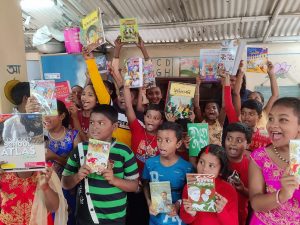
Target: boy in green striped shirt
{"x":102,"y":199}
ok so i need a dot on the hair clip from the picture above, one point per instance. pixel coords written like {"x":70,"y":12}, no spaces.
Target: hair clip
{"x":207,"y":150}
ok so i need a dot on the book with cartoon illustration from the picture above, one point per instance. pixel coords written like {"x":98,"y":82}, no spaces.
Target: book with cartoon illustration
{"x":44,"y":92}
{"x":97,"y":155}
{"x":257,"y":59}
{"x":179,"y":102}
{"x":22,"y":142}
{"x":91,"y":30}
{"x":63,"y":91}
{"x":209,"y":59}
{"x":189,"y":67}
{"x":201,"y":191}
{"x":129,"y":30}
{"x":199,"y":137}
{"x":161,"y":197}
{"x":149,"y":75}
{"x":134,"y":75}
{"x":295,"y":158}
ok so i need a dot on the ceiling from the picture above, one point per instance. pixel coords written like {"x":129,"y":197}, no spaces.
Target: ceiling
{"x":171,"y":21}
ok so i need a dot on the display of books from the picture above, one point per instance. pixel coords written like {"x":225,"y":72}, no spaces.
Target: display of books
{"x":149,"y":75}
{"x":179,"y":100}
{"x":63,"y":91}
{"x":189,"y":67}
{"x":257,"y":59}
{"x":129,"y":30}
{"x":209,"y":59}
{"x":201,"y":191}
{"x":134,"y":75}
{"x":161,"y":198}
{"x":22,"y":142}
{"x":97,"y":155}
{"x":199,"y":137}
{"x":44,"y":92}
{"x":295,"y":158}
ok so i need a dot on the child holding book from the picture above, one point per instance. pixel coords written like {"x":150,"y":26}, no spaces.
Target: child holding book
{"x":213,"y":160}
{"x":102,"y":197}
{"x":274,"y":192}
{"x":167,"y":166}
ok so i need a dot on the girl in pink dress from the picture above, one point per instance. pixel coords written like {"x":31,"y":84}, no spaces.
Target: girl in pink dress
{"x":274,"y":191}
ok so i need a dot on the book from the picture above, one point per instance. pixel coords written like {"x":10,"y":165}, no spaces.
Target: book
{"x":227,"y":56}
{"x":257,"y":59}
{"x":238,"y":57}
{"x":63,"y":91}
{"x":295,"y":158}
{"x":199,"y":137}
{"x":134,"y":75}
{"x":44,"y":92}
{"x":179,"y":100}
{"x":91,"y":30}
{"x":149,"y":76}
{"x":97,"y":155}
{"x":22,"y":142}
{"x":201,"y":191}
{"x":189,"y":67}
{"x":209,"y":59}
{"x":161,"y":198}
{"x":129,"y":30}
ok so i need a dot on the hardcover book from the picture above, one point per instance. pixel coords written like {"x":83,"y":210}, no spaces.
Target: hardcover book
{"x":149,"y":75}
{"x":63,"y":91}
{"x":257,"y":59}
{"x":199,"y":137}
{"x":134,"y":75}
{"x":161,"y":197}
{"x":129,"y":30}
{"x":295,"y":158}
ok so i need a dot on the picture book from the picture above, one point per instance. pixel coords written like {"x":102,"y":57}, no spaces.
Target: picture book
{"x":129,"y":30}
{"x":199,"y":137}
{"x":238,"y":56}
{"x":179,"y":100}
{"x":295,"y":158}
{"x":22,"y":142}
{"x":63,"y":91}
{"x":97,"y":155}
{"x":161,"y":197}
{"x":189,"y":67}
{"x":201,"y":191}
{"x":91,"y":30}
{"x":134,"y":75}
{"x":257,"y":59}
{"x":44,"y":92}
{"x":209,"y":59}
{"x":227,"y":56}
{"x":149,"y":75}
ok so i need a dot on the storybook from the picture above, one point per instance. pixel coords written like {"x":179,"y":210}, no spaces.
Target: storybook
{"x":91,"y":30}
{"x":189,"y":67}
{"x":199,"y":137}
{"x":201,"y":191}
{"x":97,"y":155}
{"x":149,"y":75}
{"x":295,"y":158}
{"x":179,"y":100}
{"x":257,"y":59}
{"x":63,"y":91}
{"x":22,"y":142}
{"x":129,"y":30}
{"x":134,"y":75}
{"x":44,"y":92}
{"x":161,"y":197}
{"x":209,"y":59}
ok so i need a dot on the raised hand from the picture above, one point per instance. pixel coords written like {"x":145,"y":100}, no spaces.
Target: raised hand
{"x":220,"y":202}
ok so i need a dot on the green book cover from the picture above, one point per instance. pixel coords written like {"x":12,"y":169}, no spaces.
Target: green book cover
{"x":198,"y":133}
{"x":129,"y":30}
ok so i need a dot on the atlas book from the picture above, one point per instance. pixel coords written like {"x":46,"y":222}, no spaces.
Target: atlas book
{"x":199,"y":137}
{"x":201,"y":191}
{"x":257,"y":59}
{"x":189,"y":67}
{"x":129,"y":30}
{"x":97,"y":155}
{"x":22,"y":142}
{"x":91,"y":30}
{"x":44,"y":92}
{"x":134,"y":75}
{"x":149,"y":75}
{"x":179,"y":100}
{"x":63,"y":91}
{"x":295,"y":158}
{"x":161,"y":197}
{"x":209,"y":59}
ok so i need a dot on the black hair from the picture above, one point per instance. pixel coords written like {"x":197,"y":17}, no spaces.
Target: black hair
{"x":30,"y":123}
{"x":220,"y":153}
{"x":76,"y":85}
{"x":155,"y":107}
{"x":111,"y":87}
{"x":253,"y":104}
{"x":289,"y":102}
{"x":61,"y":108}
{"x":183,"y":123}
{"x":172,"y":126}
{"x":239,"y":127}
{"x":20,"y":90}
{"x":243,"y":87}
{"x":260,"y":95}
{"x":107,"y":110}
{"x":211,"y":101}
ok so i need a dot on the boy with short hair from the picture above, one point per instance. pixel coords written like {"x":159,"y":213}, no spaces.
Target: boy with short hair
{"x":167,"y":166}
{"x":102,"y":197}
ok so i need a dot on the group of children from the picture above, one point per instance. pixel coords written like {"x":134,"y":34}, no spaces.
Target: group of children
{"x":248,"y":156}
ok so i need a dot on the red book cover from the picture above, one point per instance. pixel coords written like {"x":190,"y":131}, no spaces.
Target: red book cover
{"x":63,"y":90}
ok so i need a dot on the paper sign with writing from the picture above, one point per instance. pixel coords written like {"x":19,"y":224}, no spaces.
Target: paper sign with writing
{"x":199,"y":137}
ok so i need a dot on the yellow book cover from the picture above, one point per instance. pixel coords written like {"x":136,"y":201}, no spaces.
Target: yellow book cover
{"x":129,"y":30}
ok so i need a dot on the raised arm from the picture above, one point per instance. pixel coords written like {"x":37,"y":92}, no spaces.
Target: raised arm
{"x":229,"y":108}
{"x":197,"y":108}
{"x":236,"y":97}
{"x":115,"y":65}
{"x":129,"y":108}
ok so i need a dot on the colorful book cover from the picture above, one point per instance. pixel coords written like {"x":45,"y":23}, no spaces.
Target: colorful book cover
{"x":44,"y":92}
{"x":295,"y":158}
{"x":134,"y":75}
{"x":97,"y":155}
{"x":201,"y":191}
{"x":22,"y":142}
{"x":149,"y":75}
{"x":161,"y":198}
{"x":63,"y":90}
{"x":199,"y":137}
{"x":129,"y":30}
{"x":91,"y":30}
{"x":209,"y":59}
{"x":189,"y":67}
{"x":179,"y":100}
{"x":257,"y":59}
{"x":227,"y":56}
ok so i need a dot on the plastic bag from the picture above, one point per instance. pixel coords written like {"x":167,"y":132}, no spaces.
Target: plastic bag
{"x":45,"y":34}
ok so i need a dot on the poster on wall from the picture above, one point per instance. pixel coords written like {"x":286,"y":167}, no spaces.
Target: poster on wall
{"x":189,"y":67}
{"x":163,"y":67}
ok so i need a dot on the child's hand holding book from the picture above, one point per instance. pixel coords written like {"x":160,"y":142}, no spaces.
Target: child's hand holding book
{"x":220,"y":203}
{"x":83,"y":172}
{"x":187,"y":204}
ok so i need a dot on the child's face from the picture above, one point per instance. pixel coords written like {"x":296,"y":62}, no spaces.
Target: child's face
{"x":88,"y":98}
{"x":283,"y":125}
{"x":101,"y":128}
{"x":209,"y":164}
{"x":255,"y":96}
{"x":154,"y":95}
{"x":52,"y":122}
{"x":211,"y":111}
{"x":167,"y":143}
{"x":152,"y":120}
{"x":235,"y":145}
{"x":121,"y":99}
{"x":250,"y":117}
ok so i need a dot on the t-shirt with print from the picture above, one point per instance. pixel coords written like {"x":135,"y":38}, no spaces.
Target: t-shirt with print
{"x":154,"y":171}
{"x":97,"y":199}
{"x":260,"y":138}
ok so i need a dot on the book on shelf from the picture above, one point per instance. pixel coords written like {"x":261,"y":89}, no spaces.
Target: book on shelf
{"x":161,"y":198}
{"x":129,"y":30}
